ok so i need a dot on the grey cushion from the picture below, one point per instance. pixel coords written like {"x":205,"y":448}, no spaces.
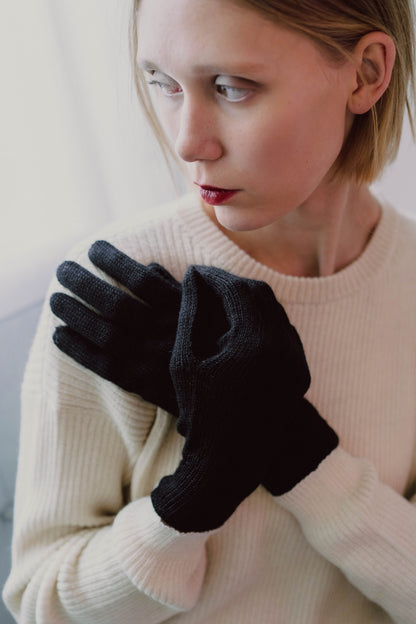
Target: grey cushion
{"x":16,"y":335}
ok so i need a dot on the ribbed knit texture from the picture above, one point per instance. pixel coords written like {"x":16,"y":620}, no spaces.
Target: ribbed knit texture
{"x":239,"y":372}
{"x":339,"y":548}
{"x":125,"y":337}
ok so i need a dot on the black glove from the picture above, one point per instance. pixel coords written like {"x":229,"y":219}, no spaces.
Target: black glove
{"x":129,"y":342}
{"x":127,"y":338}
{"x":305,"y":439}
{"x":237,"y":367}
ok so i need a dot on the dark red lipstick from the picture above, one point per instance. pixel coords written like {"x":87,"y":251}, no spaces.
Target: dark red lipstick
{"x":215,"y":196}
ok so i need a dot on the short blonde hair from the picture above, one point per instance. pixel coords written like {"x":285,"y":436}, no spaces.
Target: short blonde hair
{"x":336,"y":26}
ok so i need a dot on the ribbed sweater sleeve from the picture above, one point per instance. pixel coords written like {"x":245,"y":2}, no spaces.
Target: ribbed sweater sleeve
{"x":362,"y":526}
{"x":83,"y":550}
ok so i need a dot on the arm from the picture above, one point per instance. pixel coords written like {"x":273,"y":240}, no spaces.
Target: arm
{"x":363,"y":527}
{"x":80,"y":553}
{"x":344,"y":518}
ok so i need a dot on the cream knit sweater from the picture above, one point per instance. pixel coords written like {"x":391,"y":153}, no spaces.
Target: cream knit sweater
{"x":340,"y":548}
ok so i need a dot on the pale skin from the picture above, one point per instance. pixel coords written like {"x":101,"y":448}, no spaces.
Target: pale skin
{"x":251,"y":105}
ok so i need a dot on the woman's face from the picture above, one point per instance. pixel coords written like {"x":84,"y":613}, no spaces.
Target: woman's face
{"x":248,"y":105}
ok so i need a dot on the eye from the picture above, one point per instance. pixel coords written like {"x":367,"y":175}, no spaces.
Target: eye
{"x":232,"y":93}
{"x":167,"y":86}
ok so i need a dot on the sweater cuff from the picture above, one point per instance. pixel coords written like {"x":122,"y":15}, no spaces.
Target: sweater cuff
{"x":334,"y":495}
{"x":166,"y":565}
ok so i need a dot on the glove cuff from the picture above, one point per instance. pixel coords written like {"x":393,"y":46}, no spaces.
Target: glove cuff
{"x":309,"y":441}
{"x":189,"y":501}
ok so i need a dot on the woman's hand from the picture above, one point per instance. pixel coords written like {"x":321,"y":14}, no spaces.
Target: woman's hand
{"x":227,"y":323}
{"x":124,"y":337}
{"x":237,"y":367}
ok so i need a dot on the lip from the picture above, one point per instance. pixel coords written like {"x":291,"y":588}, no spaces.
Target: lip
{"x":215,"y":196}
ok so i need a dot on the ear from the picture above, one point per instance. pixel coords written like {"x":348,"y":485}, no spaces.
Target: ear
{"x":374,"y":57}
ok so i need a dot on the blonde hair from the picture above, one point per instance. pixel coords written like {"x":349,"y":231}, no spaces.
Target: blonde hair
{"x":336,"y":26}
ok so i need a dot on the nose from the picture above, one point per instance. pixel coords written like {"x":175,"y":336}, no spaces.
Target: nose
{"x":198,"y":137}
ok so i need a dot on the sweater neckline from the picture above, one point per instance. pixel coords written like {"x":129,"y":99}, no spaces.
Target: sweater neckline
{"x":291,"y":289}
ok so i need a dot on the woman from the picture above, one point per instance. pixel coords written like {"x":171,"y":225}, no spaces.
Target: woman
{"x":191,"y":480}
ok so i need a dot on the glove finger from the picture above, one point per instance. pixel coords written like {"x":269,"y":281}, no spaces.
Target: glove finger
{"x":103,"y":333}
{"x":203,"y":320}
{"x":110,"y":301}
{"x":92,"y":357}
{"x":240,"y":295}
{"x":153,"y":283}
{"x":256,"y":318}
{"x":118,"y":370}
{"x":222,"y":313}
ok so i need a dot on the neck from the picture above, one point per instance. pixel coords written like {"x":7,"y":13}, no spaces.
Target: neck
{"x":319,"y":238}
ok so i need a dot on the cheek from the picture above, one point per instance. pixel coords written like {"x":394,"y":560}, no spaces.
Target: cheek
{"x":276,"y":150}
{"x":300,"y":143}
{"x":169,"y":121}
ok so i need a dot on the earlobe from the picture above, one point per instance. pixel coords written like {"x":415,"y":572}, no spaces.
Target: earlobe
{"x":374,"y":58}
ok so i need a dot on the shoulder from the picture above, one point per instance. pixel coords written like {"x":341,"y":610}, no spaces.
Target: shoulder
{"x":405,"y":239}
{"x":158,"y":234}
{"x":407,"y":225}
{"x":52,"y":378}
{"x":161,"y":235}
{"x":397,"y":251}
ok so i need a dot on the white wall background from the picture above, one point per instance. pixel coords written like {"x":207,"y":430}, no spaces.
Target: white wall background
{"x":75,"y":150}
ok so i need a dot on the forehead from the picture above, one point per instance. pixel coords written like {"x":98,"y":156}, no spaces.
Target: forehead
{"x":206,"y":33}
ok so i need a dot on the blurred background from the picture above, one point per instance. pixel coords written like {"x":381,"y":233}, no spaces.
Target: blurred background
{"x":75,"y":153}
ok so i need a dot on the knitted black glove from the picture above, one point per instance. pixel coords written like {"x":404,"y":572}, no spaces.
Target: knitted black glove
{"x":237,"y":366}
{"x":127,"y":338}
{"x":130,"y":343}
{"x":304,"y":440}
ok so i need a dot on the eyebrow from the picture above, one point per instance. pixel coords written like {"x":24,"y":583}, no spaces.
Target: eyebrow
{"x":231,"y":70}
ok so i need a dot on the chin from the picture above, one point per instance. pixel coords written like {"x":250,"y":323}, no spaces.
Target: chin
{"x":239,"y":220}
